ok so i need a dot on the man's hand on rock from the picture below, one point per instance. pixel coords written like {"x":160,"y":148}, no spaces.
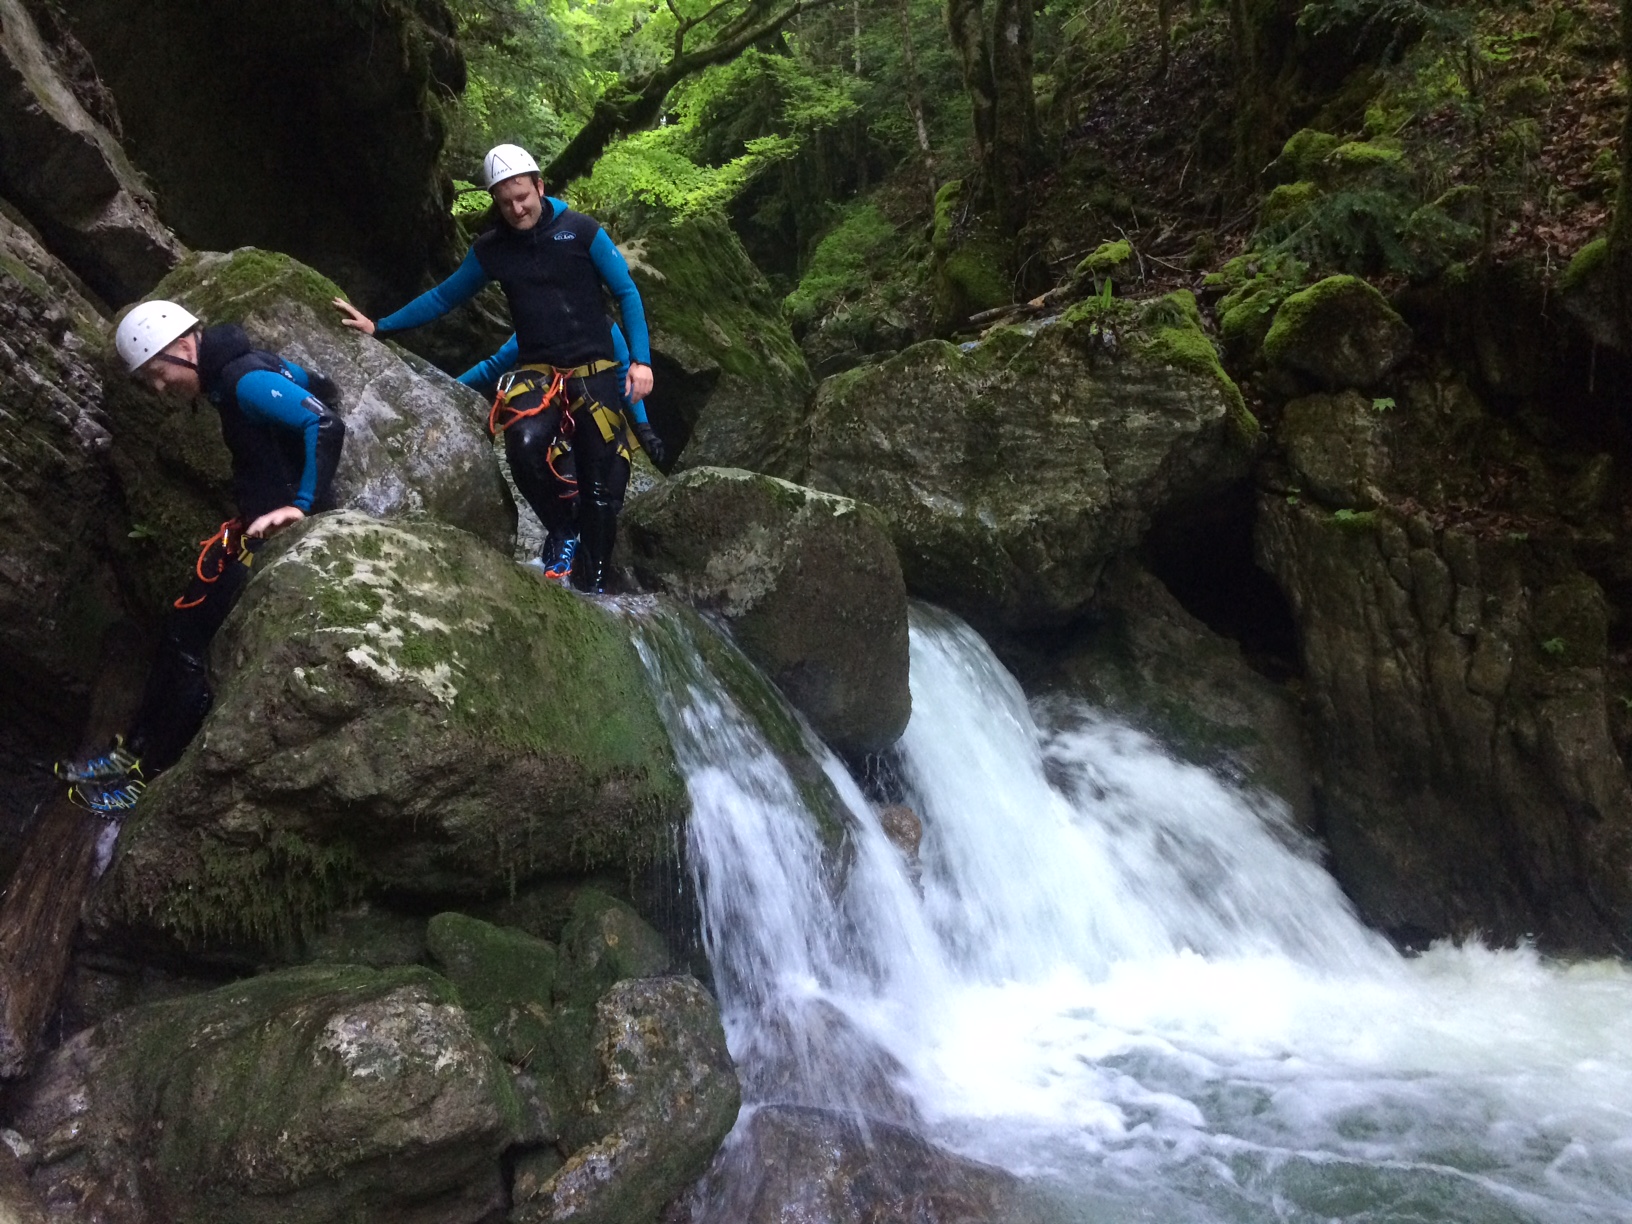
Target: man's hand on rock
{"x":274,"y":521}
{"x":357,"y":319}
{"x":638,"y":385}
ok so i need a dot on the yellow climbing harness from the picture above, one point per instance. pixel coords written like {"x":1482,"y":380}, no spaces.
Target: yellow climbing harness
{"x":524,"y":380}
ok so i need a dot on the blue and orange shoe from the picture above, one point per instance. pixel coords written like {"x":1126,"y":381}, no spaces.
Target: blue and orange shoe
{"x":558,"y":565}
{"x":114,"y":765}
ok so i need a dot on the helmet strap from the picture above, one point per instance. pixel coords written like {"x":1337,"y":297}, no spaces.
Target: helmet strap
{"x":170,"y":359}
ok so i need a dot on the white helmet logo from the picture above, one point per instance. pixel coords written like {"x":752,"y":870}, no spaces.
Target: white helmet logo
{"x":149,"y":329}
{"x":506,"y":161}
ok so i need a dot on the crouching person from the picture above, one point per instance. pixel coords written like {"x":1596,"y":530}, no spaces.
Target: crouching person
{"x":278,"y":421}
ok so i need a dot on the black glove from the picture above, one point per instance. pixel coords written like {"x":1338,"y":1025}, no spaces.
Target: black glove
{"x":322,"y":386}
{"x":650,"y":442}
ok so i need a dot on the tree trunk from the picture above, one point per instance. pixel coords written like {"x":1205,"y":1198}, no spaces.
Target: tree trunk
{"x":915,"y":101}
{"x":965,"y":22}
{"x":1620,"y":232}
{"x":1015,"y":133}
{"x":1263,"y":34}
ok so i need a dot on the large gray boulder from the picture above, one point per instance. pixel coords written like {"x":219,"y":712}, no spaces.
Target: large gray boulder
{"x":808,"y":582}
{"x":300,"y":1097}
{"x":732,"y":384}
{"x":399,"y":710}
{"x":1009,"y":471}
{"x":1463,"y":701}
{"x":67,"y":173}
{"x":56,"y":491}
{"x":666,"y":1094}
{"x":416,"y":441}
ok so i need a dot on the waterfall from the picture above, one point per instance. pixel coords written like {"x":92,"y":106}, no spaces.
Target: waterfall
{"x":1115,"y":975}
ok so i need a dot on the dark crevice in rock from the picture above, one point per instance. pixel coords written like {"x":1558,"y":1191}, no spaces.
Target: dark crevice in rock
{"x":1203,"y":553}
{"x":678,"y":398}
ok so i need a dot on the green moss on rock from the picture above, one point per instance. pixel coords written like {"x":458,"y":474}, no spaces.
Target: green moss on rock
{"x":1340,"y":331}
{"x":971,"y":261}
{"x":1287,"y":201}
{"x":1585,"y":264}
{"x":386,"y":694}
{"x":1106,"y":258}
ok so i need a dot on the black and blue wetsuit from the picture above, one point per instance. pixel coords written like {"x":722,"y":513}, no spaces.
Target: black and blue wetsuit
{"x":555,"y":277}
{"x":552,"y":483}
{"x":285,"y":444}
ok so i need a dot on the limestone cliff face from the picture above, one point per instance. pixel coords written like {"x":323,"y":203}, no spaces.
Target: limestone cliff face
{"x":1460,"y":686}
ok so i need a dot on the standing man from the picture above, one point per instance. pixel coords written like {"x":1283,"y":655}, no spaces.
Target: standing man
{"x":280,"y":428}
{"x":559,"y":481}
{"x":554,"y":266}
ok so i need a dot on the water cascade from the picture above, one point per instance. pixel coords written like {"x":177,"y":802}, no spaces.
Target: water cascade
{"x":1122,"y":980}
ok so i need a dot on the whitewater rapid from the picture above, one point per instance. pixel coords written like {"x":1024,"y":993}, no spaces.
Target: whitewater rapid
{"x":1123,"y":979}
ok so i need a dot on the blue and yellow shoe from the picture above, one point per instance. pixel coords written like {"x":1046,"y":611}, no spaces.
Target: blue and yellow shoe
{"x":115,"y":765}
{"x":558,"y":565}
{"x":106,"y":798}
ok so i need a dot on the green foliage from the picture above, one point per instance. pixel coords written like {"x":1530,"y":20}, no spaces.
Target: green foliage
{"x":843,"y":266}
{"x":1383,"y":403}
{"x":1555,"y":646}
{"x":530,"y":80}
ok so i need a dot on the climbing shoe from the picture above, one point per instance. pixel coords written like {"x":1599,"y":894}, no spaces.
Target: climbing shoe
{"x":558,"y":559}
{"x":106,"y":798}
{"x":115,"y":765}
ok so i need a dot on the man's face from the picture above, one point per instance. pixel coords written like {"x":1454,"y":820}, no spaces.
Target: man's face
{"x":168,"y":378}
{"x":520,"y":201}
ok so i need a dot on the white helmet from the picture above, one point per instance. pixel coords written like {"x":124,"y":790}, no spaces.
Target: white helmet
{"x":507,"y":161}
{"x":150,"y":328}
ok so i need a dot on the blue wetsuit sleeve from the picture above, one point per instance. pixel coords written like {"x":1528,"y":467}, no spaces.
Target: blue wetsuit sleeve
{"x":484,"y":375}
{"x":465,"y":283}
{"x":620,"y":350}
{"x":297,"y":374}
{"x":272,"y":399}
{"x":615,"y":273}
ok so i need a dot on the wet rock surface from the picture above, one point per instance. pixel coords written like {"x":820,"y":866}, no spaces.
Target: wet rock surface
{"x":1010,"y":471}
{"x":665,"y":1095}
{"x":67,"y":172}
{"x":819,"y":1167}
{"x":377,"y":726}
{"x":306,"y":1095}
{"x":808,"y":582}
{"x":56,"y":491}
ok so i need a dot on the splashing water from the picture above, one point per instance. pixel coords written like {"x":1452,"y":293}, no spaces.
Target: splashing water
{"x":1122,"y":979}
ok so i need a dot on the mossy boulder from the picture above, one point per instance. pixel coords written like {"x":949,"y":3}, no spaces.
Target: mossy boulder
{"x":399,"y":710}
{"x":65,"y":170}
{"x":57,"y":497}
{"x":1301,"y":158}
{"x":416,"y":441}
{"x":1340,"y":332}
{"x":731,"y":382}
{"x":308,"y":1095}
{"x":1111,"y":261}
{"x":1588,"y":293}
{"x":1287,"y":201}
{"x":1010,"y":470}
{"x":972,"y":261}
{"x":665,"y":1095}
{"x":808,"y":582}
